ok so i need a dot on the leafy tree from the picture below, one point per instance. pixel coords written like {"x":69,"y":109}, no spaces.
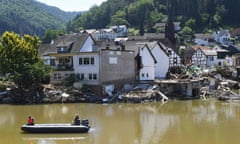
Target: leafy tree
{"x":186,"y":34}
{"x":50,"y":35}
{"x":133,"y":32}
{"x":119,"y":18}
{"x":19,"y":59}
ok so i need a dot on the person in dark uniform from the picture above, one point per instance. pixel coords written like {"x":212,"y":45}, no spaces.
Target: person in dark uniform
{"x":76,"y":120}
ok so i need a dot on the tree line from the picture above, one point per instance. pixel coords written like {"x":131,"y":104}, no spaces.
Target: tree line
{"x":144,"y":14}
{"x":31,"y":17}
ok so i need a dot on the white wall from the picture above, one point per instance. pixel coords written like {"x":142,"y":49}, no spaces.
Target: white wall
{"x":86,"y":69}
{"x":88,"y":45}
{"x":212,"y":63}
{"x":200,"y":41}
{"x":162,"y":65}
{"x":147,"y":72}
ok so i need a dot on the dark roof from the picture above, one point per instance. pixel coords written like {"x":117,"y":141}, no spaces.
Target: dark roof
{"x":163,"y":48}
{"x":232,"y":49}
{"x":43,"y":49}
{"x":134,"y":45}
{"x":147,"y":36}
{"x":74,"y":41}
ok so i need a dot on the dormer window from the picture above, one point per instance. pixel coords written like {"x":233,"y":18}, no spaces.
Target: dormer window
{"x":64,"y":47}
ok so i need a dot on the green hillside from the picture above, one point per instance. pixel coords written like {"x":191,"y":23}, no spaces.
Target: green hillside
{"x":200,"y":15}
{"x":31,"y":17}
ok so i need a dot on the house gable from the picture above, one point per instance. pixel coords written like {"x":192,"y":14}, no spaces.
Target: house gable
{"x":199,"y":58}
{"x":174,"y":58}
{"x":148,"y":61}
{"x":162,"y":65}
{"x":88,"y":45}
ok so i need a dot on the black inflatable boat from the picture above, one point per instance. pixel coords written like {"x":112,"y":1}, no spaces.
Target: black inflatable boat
{"x":56,"y":128}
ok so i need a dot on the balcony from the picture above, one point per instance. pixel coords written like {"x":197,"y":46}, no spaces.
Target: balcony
{"x":64,"y":67}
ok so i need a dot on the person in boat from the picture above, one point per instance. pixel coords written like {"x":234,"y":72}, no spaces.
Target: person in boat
{"x":76,"y":120}
{"x":30,"y":120}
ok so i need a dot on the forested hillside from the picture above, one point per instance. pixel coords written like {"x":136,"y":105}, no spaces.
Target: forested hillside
{"x":200,"y":15}
{"x":31,"y":17}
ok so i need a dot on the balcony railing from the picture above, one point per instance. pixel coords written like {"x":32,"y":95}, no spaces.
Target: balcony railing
{"x":64,"y":67}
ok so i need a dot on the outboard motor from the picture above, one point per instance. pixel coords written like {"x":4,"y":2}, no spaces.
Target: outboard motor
{"x":85,"y":122}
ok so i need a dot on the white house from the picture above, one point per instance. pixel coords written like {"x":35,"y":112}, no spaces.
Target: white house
{"x":147,"y":63}
{"x":222,"y":37}
{"x":224,"y":56}
{"x":199,"y":58}
{"x":162,"y":58}
{"x":111,"y":33}
{"x":105,"y":34}
{"x":93,"y":65}
{"x":121,"y":30}
{"x":204,"y":56}
{"x":203,"y":39}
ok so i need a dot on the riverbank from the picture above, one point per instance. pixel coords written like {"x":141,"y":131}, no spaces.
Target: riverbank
{"x":45,"y":94}
{"x":140,"y":93}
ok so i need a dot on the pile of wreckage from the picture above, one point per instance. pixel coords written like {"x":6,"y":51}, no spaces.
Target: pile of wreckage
{"x":143,"y":93}
{"x":189,"y":82}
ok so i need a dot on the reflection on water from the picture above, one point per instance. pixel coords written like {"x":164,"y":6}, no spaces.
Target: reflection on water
{"x":52,"y":140}
{"x":176,"y":122}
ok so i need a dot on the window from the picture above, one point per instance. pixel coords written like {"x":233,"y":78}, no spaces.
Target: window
{"x":90,"y":76}
{"x":94,"y":76}
{"x":86,"y":61}
{"x":80,"y":76}
{"x":57,"y":76}
{"x":174,"y":60}
{"x":80,"y":61}
{"x":92,"y":60}
{"x":210,"y":58}
{"x":52,"y":62}
{"x":66,"y":75}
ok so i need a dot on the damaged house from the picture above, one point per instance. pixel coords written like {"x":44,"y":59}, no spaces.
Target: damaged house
{"x":204,"y":56}
{"x":101,"y":68}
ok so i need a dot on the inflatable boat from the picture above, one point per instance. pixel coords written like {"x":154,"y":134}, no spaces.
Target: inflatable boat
{"x":56,"y":128}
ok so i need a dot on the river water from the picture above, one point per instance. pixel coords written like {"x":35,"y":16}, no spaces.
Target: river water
{"x":175,"y":122}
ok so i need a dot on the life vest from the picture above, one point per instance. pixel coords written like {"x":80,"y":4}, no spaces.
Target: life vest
{"x":30,"y":120}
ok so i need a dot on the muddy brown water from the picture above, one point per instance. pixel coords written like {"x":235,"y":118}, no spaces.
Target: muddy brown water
{"x":175,"y":122}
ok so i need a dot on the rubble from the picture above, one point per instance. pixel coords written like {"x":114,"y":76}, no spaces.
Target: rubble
{"x":189,"y":82}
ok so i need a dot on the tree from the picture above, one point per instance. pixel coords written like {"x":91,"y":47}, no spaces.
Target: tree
{"x":186,"y":34}
{"x":19,"y":59}
{"x":51,"y":35}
